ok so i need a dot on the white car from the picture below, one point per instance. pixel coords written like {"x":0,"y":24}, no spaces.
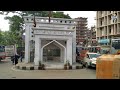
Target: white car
{"x":90,"y":59}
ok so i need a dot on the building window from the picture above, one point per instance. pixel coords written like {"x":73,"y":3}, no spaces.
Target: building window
{"x":110,"y":31}
{"x":101,"y":22}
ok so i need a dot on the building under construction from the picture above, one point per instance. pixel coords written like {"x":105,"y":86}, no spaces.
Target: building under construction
{"x":82,"y":32}
{"x":93,"y":36}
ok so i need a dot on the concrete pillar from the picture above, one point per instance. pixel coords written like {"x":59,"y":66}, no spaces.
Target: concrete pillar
{"x":74,"y":47}
{"x":65,"y":55}
{"x":27,"y":44}
{"x":37,"y":50}
{"x":62,"y":54}
{"x":69,"y":51}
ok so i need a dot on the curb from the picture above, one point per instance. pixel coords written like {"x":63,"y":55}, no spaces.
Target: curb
{"x":48,"y":68}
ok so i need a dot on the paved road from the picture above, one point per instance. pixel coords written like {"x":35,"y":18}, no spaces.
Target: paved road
{"x":8,"y":72}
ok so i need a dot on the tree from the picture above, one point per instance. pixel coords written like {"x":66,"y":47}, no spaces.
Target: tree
{"x":1,"y":37}
{"x":60,"y":15}
{"x":16,"y":23}
{"x":38,"y":13}
{"x":4,"y":37}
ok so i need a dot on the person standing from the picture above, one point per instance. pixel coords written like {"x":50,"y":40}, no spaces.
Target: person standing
{"x":13,"y":59}
{"x":16,"y":58}
{"x":21,"y":56}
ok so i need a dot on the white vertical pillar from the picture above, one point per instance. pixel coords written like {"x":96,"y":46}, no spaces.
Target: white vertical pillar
{"x":74,"y":46}
{"x":27,"y":44}
{"x":41,"y":58}
{"x":61,"y":54}
{"x":65,"y":55}
{"x":37,"y":50}
{"x":69,"y":50}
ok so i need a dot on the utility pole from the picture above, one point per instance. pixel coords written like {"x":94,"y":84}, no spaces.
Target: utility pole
{"x":50,"y":15}
{"x":91,"y":36}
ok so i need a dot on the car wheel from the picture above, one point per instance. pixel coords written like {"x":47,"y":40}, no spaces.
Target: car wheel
{"x":86,"y":65}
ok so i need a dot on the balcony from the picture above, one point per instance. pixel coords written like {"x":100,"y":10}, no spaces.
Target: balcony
{"x":102,"y":14}
{"x":118,"y":31}
{"x":112,"y":12}
{"x":105,"y":12}
{"x":111,"y":22}
{"x":93,"y":37}
{"x":111,"y":33}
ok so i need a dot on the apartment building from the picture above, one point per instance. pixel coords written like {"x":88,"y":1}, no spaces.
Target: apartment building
{"x":93,"y":36}
{"x":108,"y":26}
{"x":81,"y":30}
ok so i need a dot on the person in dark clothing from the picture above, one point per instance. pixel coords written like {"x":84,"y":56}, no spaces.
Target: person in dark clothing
{"x":21,"y":56}
{"x":108,"y":52}
{"x":12,"y":59}
{"x":77,"y":52}
{"x":77,"y":55}
{"x":16,"y":58}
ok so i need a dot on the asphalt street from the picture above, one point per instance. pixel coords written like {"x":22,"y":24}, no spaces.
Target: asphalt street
{"x":7,"y":71}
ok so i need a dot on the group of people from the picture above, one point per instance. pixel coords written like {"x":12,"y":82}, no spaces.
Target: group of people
{"x":16,"y":57}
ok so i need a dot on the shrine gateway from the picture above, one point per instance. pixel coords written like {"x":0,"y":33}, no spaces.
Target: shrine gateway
{"x":50,"y":42}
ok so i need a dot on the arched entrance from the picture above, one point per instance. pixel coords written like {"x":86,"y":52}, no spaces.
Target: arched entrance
{"x":53,"y":52}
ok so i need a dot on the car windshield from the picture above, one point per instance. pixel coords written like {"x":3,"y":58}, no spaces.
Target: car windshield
{"x":94,"y":55}
{"x":116,"y":44}
{"x":1,"y":50}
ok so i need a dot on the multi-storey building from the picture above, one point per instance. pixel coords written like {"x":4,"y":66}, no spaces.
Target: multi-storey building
{"x":108,"y":26}
{"x":81,"y":30}
{"x":93,"y":36}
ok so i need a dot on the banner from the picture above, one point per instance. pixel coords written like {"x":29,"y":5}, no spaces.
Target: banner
{"x":104,"y":41}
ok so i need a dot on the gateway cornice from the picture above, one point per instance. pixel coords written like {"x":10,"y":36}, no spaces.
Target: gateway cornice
{"x":30,"y":19}
{"x":53,"y":32}
{"x":52,"y":29}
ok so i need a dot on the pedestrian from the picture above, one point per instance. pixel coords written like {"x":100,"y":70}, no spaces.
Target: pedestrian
{"x":13,"y":59}
{"x":21,"y":56}
{"x":16,"y":58}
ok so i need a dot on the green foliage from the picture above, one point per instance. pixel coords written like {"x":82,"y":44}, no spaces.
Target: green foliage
{"x":13,"y":36}
{"x":60,"y":15}
{"x":4,"y":38}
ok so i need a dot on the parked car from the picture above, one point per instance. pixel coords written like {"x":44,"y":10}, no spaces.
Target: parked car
{"x":90,"y":59}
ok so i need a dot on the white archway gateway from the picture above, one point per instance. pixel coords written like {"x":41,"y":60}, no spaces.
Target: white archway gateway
{"x":61,"y":32}
{"x":58,"y":44}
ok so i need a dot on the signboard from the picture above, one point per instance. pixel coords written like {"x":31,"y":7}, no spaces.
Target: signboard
{"x":52,"y":32}
{"x":104,"y":41}
{"x":10,"y":50}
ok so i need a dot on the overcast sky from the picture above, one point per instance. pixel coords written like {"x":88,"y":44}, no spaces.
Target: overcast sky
{"x":4,"y":26}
